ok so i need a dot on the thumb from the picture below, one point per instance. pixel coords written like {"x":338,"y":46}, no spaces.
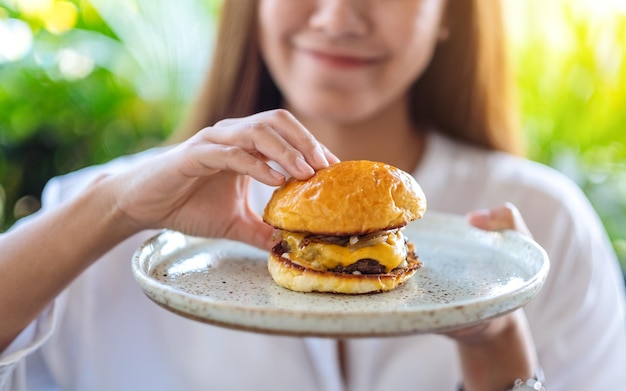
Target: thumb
{"x":255,"y":232}
{"x":506,"y":216}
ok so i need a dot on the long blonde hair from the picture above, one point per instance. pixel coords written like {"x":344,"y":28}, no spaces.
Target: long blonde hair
{"x":467,"y":91}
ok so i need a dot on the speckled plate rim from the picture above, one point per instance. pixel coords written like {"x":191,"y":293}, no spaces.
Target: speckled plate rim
{"x":324,"y":323}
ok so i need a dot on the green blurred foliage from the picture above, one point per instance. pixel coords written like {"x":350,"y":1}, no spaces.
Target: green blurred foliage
{"x":571,"y":73}
{"x":53,"y":122}
{"x":49,"y":127}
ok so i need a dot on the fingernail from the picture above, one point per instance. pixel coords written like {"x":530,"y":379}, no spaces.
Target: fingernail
{"x":303,"y":166}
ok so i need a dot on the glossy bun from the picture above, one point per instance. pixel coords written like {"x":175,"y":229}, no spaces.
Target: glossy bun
{"x":350,"y":197}
{"x":297,"y":278}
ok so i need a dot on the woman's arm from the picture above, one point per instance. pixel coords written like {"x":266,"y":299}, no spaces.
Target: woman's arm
{"x":39,"y":258}
{"x":207,"y":176}
{"x":496,"y":354}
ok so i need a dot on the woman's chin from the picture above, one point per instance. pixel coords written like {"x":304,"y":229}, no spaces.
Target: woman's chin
{"x":335,"y":112}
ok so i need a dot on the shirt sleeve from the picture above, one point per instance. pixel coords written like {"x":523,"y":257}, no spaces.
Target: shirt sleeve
{"x":13,"y":358}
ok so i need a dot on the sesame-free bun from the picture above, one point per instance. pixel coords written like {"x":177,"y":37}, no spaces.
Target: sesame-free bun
{"x":350,"y":197}
{"x":300,"y":279}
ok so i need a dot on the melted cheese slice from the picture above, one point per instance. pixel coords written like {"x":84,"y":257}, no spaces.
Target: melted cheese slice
{"x":390,"y":253}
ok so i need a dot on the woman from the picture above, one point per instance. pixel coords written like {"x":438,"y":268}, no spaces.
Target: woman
{"x":419,"y":84}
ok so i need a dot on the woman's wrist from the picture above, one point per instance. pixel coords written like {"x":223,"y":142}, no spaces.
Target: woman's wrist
{"x":498,"y":355}
{"x":115,"y":224}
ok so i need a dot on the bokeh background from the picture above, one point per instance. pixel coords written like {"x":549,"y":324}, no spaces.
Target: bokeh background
{"x":84,"y":81}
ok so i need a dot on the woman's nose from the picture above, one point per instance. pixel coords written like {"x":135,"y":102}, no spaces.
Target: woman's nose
{"x":340,"y":18}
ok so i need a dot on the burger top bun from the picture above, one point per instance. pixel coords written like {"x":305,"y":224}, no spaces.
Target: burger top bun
{"x":350,"y":197}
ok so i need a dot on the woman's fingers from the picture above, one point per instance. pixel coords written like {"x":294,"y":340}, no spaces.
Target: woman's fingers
{"x":204,"y":159}
{"x":277,"y":136}
{"x":287,"y":126}
{"x":502,"y":217}
{"x":247,"y":148}
{"x":245,"y":145}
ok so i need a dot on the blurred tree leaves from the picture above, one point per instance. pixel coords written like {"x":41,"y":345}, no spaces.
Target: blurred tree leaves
{"x":571,"y":72}
{"x":68,"y":103}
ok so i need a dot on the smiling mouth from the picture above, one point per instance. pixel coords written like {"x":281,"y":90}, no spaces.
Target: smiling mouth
{"x":339,"y":61}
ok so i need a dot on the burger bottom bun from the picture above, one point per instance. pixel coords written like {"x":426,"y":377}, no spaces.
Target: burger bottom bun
{"x":297,"y":278}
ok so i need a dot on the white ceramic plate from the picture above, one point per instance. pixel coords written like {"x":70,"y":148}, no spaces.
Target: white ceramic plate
{"x":468,"y":275}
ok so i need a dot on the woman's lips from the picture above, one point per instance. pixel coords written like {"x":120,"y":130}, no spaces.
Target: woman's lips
{"x":340,"y":61}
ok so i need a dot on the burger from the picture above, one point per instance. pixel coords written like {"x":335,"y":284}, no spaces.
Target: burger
{"x":341,"y":231}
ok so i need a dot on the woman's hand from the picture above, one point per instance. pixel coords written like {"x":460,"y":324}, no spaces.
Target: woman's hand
{"x":200,"y":187}
{"x":503,"y":217}
{"x":495,"y":353}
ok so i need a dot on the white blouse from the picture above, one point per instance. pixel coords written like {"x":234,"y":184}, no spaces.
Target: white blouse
{"x":102,"y":333}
